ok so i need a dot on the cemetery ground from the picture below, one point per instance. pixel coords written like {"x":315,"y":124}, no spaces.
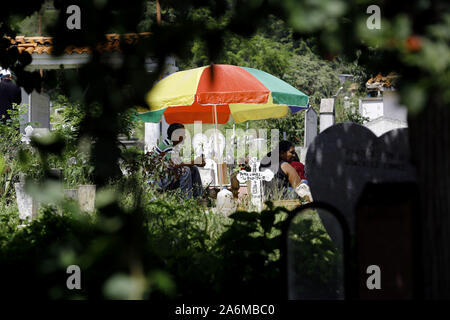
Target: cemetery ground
{"x":172,"y":250}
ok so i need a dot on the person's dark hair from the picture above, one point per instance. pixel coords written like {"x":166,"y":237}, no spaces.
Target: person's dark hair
{"x":172,"y":128}
{"x":283,"y":146}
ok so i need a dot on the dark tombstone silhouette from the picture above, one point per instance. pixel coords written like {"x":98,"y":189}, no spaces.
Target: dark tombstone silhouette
{"x":315,"y":264}
{"x":344,"y":157}
{"x":387,"y":237}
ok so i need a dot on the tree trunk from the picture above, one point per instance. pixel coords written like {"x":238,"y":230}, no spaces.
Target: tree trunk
{"x":430,"y":148}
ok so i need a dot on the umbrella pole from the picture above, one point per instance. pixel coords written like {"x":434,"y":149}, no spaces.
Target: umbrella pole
{"x":219,"y":165}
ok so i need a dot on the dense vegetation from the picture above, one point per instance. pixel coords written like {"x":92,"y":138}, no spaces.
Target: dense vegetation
{"x":187,"y":250}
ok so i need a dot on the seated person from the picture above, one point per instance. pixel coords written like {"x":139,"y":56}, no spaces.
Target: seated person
{"x":189,"y":180}
{"x":299,"y":167}
{"x":286,"y":178}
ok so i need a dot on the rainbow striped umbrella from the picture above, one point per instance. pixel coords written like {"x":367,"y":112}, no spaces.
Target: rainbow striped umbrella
{"x":212,"y":93}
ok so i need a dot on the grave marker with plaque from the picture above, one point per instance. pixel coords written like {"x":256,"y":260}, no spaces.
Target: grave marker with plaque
{"x":346,"y":156}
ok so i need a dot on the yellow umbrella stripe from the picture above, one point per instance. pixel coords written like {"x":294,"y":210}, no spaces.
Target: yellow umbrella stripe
{"x":244,"y":112}
{"x":177,"y":89}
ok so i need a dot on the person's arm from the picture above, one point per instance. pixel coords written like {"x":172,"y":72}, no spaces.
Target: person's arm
{"x":294,"y":179}
{"x":199,"y":162}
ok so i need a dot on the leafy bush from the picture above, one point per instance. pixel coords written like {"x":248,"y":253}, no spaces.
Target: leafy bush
{"x":316,"y":265}
{"x":10,"y":144}
{"x":186,"y":251}
{"x":161,"y":247}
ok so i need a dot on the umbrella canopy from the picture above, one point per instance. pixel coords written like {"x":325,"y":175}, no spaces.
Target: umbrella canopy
{"x":212,"y":93}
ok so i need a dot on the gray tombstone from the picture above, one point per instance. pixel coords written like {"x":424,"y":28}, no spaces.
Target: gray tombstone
{"x":27,"y":205}
{"x":71,"y":194}
{"x":310,"y":126}
{"x":327,"y":117}
{"x":346,"y":156}
{"x":38,"y":109}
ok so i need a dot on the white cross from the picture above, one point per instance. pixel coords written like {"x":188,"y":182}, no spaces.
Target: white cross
{"x":255,"y":177}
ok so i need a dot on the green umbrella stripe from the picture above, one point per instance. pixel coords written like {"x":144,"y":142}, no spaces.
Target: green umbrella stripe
{"x":282,"y":92}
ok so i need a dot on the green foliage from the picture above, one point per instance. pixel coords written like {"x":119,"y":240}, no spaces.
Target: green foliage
{"x":9,"y":151}
{"x":315,"y":264}
{"x":77,"y":169}
{"x":39,"y":254}
{"x":350,"y":114}
{"x":187,"y":251}
{"x":68,"y":121}
{"x":9,"y":221}
{"x":30,"y":25}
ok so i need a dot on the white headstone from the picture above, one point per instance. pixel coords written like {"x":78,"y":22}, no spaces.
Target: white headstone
{"x":386,"y":106}
{"x":346,"y":156}
{"x":371,"y":108}
{"x":152,"y":135}
{"x":327,"y":117}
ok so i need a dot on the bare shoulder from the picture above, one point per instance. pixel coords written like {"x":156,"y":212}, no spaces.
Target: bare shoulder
{"x":286,"y":167}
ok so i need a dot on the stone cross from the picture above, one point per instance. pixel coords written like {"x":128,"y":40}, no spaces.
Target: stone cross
{"x":255,"y":177}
